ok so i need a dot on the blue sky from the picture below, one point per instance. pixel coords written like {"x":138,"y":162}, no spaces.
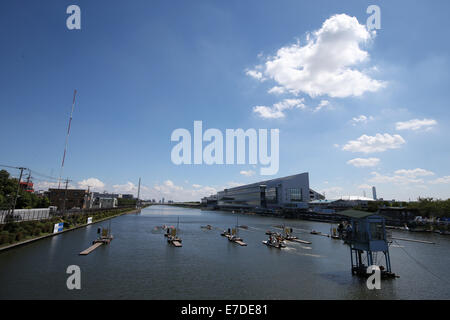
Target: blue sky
{"x":145,"y":68}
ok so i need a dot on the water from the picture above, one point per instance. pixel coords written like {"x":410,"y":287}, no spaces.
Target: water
{"x":139,"y":264}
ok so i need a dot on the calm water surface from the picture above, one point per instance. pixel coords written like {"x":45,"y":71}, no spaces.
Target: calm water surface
{"x":139,"y":264}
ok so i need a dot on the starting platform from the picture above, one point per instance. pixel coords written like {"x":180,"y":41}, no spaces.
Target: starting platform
{"x":90,"y":249}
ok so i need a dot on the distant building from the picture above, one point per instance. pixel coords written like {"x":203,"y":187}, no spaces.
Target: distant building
{"x":104,"y":202}
{"x":209,"y":202}
{"x":287,"y":192}
{"x":126,"y":196}
{"x":106,"y":195}
{"x":313,"y":195}
{"x":335,"y":205}
{"x":74,"y":198}
{"x":374,"y":193}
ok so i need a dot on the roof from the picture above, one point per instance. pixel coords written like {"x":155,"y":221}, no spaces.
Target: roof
{"x":354,"y":198}
{"x":321,"y":201}
{"x":357,"y":214}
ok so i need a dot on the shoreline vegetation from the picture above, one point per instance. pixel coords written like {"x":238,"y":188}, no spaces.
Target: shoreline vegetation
{"x":13,"y":234}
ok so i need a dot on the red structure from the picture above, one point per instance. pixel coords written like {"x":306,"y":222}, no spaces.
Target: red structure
{"x":27,"y":186}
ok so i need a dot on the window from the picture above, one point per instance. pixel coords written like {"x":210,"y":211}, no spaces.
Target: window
{"x":295,"y":194}
{"x":271,"y":195}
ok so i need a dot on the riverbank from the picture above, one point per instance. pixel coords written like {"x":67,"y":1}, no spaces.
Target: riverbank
{"x":30,"y":239}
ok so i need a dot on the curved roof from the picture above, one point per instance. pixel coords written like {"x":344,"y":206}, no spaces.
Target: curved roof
{"x":354,"y":198}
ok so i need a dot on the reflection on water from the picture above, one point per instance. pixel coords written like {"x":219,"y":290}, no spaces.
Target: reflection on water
{"x":139,"y":264}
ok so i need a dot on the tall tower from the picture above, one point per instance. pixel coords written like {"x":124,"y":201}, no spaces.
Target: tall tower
{"x":374,"y":193}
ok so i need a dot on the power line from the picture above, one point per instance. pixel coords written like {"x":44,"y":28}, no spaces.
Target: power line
{"x":419,"y":263}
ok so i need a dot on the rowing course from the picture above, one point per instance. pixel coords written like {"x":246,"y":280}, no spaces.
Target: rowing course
{"x":140,"y":264}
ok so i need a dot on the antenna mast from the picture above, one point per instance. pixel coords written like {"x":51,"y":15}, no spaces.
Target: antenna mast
{"x":139,"y":191}
{"x":67,"y":139}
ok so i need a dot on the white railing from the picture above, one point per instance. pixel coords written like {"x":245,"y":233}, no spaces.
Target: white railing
{"x":24,"y":215}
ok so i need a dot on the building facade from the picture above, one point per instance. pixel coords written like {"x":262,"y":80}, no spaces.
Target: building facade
{"x":287,"y":192}
{"x":74,"y":198}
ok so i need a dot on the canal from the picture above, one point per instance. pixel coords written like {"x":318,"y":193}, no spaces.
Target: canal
{"x":139,"y":264}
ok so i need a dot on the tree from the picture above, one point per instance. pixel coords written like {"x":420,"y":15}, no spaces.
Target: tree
{"x":8,"y":189}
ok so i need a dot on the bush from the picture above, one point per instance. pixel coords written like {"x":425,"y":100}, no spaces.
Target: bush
{"x":11,"y":237}
{"x":4,"y":237}
{"x":19,"y":236}
{"x":37,"y":232}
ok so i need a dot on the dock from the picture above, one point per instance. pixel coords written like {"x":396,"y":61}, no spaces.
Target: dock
{"x":413,"y":240}
{"x":176,"y":243}
{"x":318,"y":233}
{"x":301,"y":241}
{"x":90,"y":249}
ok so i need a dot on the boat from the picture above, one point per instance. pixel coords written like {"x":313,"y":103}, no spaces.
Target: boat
{"x":226,"y":233}
{"x":172,"y":237}
{"x":168,"y":231}
{"x":234,"y":236}
{"x":334,"y":233}
{"x":209,"y":227}
{"x":274,"y":242}
{"x":319,"y":233}
{"x":105,"y":235}
{"x":287,"y":234}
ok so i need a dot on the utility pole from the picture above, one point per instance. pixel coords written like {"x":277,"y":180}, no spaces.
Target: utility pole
{"x":18,"y":188}
{"x":88,"y":199}
{"x":139,"y":191}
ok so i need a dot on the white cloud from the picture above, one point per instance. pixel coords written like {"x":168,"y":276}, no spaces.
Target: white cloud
{"x":128,"y":187}
{"x":323,"y":104}
{"x":277,"y":110}
{"x":442,"y":180}
{"x":377,"y":143}
{"x":332,"y":192}
{"x":361,"y":119}
{"x":247,"y":173}
{"x":364,"y":186}
{"x":395,"y":179}
{"x":45,"y":185}
{"x":416,"y":124}
{"x":277,"y":90}
{"x":364,"y":162}
{"x":402,"y":176}
{"x":413,"y":173}
{"x":92,"y":183}
{"x":326,"y":64}
{"x":255,"y":74}
{"x":171,"y":191}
